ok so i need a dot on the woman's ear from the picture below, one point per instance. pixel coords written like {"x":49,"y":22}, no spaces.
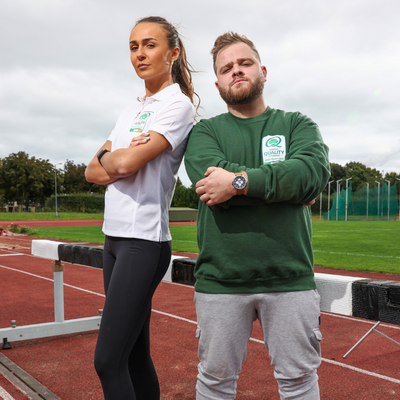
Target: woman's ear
{"x":175,"y":54}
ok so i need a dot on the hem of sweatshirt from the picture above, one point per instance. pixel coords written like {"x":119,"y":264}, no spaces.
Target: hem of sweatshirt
{"x":305,"y":282}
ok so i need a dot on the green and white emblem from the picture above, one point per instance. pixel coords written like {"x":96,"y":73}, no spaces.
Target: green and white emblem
{"x":273,"y":149}
{"x":140,"y":122}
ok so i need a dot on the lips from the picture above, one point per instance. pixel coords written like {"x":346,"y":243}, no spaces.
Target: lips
{"x":240,"y":80}
{"x":142,"y":66}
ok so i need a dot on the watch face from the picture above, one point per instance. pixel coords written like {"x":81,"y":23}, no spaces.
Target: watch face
{"x":239,"y":182}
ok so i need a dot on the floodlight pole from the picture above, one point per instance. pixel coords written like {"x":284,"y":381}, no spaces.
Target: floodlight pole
{"x":399,"y":201}
{"x":337,"y":199}
{"x":320,"y":206}
{"x":347,"y":188}
{"x":388,"y":197}
{"x":55,"y":184}
{"x":379,"y":186}
{"x":329,"y":197}
{"x":367,"y":198}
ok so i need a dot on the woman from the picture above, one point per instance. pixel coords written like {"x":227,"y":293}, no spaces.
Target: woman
{"x":141,"y":181}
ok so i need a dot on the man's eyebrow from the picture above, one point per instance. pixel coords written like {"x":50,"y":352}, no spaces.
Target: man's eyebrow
{"x":145,"y":40}
{"x":239,"y":61}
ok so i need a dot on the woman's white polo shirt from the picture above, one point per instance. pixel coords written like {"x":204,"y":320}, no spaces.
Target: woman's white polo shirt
{"x":137,"y":206}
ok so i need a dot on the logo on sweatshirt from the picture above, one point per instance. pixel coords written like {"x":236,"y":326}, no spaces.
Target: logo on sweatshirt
{"x":273,"y":149}
{"x":140,"y":121}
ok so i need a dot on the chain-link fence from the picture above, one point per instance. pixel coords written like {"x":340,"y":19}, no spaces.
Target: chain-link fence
{"x":376,"y":203}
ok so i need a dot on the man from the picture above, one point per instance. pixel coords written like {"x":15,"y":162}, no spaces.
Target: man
{"x":254,"y":168}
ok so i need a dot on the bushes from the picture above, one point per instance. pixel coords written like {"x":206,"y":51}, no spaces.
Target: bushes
{"x":79,"y":202}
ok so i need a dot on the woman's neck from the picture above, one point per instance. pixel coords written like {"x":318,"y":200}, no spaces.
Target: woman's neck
{"x":154,"y":87}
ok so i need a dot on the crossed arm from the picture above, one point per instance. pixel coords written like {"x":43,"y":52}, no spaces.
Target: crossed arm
{"x":121,"y":163}
{"x":298,"y":179}
{"x":217,"y":186}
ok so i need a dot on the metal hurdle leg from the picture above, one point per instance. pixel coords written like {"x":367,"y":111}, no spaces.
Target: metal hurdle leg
{"x":58,"y":275}
{"x":370,"y":331}
{"x":56,"y":328}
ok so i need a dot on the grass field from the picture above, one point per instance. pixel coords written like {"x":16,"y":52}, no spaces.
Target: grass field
{"x":47,"y":216}
{"x":353,"y":245}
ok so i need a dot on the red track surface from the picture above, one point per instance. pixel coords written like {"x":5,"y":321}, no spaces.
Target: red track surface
{"x":65,"y":364}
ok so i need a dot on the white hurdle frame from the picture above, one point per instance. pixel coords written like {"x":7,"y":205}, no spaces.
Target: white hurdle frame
{"x":49,"y":249}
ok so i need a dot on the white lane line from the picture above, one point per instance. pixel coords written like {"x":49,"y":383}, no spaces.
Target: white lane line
{"x":174,"y":316}
{"x":52,"y":280}
{"x":364,"y":321}
{"x":363,"y":371}
{"x":13,"y":254}
{"x":353,"y":254}
{"x":5,"y":395}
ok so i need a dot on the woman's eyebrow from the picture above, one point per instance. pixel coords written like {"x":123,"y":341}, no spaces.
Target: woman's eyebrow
{"x":143,"y":40}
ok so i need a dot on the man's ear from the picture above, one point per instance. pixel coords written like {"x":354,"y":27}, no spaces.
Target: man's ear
{"x":216,"y":85}
{"x":264,"y":70}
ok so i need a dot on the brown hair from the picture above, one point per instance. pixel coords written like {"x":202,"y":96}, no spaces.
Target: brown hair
{"x":181,"y":69}
{"x":227,"y":39}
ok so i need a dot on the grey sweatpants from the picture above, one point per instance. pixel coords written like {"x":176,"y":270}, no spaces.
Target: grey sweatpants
{"x":290,"y":324}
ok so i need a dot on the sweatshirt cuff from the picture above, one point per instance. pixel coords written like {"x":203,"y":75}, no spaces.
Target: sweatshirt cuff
{"x":256,"y":183}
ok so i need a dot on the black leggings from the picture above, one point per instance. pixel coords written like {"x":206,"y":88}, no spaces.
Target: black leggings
{"x":132,"y":270}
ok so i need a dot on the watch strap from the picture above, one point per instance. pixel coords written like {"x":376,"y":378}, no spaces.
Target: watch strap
{"x":101,"y":154}
{"x":240,"y":192}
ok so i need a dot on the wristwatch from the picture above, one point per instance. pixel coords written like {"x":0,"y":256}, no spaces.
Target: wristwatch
{"x":101,"y":154}
{"x":239,"y":182}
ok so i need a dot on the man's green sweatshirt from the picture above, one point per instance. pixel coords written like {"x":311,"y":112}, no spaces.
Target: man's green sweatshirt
{"x":260,"y":242}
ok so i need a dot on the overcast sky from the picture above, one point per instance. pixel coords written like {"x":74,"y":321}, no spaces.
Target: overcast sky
{"x":65,"y":73}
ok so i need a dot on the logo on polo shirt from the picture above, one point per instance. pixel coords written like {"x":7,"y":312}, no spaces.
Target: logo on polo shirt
{"x":140,"y":121}
{"x":273,"y":149}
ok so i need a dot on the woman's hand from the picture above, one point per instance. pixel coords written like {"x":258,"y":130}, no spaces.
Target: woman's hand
{"x":141,"y":139}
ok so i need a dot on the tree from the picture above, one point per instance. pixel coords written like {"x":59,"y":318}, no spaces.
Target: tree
{"x":75,"y":181}
{"x":74,"y":178}
{"x":361,"y":175}
{"x":26,"y":180}
{"x":185,"y":197}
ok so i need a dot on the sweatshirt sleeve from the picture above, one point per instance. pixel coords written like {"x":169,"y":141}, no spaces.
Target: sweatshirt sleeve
{"x":203,"y":150}
{"x":298,"y":179}
{"x":304,"y":173}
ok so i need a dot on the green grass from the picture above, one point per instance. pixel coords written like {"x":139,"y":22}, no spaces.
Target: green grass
{"x":358,"y":245}
{"x":45,"y":216}
{"x":87,"y":234}
{"x":354,"y":245}
{"x":183,"y":236}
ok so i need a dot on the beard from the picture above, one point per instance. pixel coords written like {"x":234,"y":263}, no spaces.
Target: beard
{"x":243,"y":95}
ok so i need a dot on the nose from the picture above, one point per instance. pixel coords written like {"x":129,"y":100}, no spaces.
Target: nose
{"x":236,"y":70}
{"x":139,"y":54}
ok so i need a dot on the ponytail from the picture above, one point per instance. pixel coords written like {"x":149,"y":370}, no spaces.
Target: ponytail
{"x":181,"y":69}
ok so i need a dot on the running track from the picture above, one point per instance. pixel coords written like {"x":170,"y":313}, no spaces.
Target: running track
{"x":64,"y":365}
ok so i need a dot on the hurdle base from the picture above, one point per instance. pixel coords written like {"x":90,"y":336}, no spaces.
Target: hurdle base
{"x":49,"y":329}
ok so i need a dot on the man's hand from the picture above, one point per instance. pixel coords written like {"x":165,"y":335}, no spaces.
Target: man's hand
{"x":216,"y":187}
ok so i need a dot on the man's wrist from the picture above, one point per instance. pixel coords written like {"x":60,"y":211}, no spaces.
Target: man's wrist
{"x":239,"y":183}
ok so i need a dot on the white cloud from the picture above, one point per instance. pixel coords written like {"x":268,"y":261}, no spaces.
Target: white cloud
{"x":65,"y":72}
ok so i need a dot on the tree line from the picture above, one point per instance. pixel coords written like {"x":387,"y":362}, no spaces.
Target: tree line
{"x":361,"y":175}
{"x":30,"y":180}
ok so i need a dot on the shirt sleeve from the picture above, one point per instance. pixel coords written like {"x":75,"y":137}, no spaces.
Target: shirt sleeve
{"x":298,"y":179}
{"x":174,"y":121}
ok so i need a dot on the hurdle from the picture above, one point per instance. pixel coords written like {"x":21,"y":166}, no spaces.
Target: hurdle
{"x":58,"y":252}
{"x":49,"y":250}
